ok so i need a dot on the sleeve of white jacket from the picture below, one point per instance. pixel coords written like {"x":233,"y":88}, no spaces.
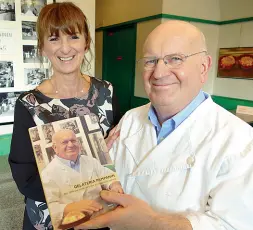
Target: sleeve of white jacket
{"x":230,"y":203}
{"x":102,"y":171}
{"x":52,"y":193}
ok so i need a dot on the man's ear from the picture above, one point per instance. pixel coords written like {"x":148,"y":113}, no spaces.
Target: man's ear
{"x":54,"y":147}
{"x":205,"y":67}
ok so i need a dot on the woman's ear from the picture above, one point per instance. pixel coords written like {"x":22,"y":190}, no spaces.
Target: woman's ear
{"x":43,"y":53}
{"x":87,"y":46}
{"x":86,"y":49}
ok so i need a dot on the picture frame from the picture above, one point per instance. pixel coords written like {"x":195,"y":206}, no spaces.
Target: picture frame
{"x":235,"y":63}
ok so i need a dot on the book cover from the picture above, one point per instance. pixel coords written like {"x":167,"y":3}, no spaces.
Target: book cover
{"x":74,"y":166}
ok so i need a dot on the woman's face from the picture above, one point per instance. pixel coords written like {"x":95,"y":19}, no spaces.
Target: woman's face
{"x":65,"y":52}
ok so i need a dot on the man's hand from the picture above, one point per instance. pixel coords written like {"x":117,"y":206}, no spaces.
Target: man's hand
{"x":113,"y":135}
{"x":89,"y":206}
{"x":116,"y":187}
{"x":132,"y":213}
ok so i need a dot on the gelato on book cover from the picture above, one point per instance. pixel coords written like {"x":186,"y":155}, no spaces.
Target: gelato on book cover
{"x":74,"y":167}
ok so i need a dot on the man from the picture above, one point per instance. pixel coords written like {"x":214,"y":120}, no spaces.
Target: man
{"x":68,"y":179}
{"x":187,"y":162}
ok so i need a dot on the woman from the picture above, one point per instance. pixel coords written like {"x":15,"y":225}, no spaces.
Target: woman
{"x":64,"y":38}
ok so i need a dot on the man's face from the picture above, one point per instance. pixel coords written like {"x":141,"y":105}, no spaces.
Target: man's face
{"x":66,"y":145}
{"x":168,"y":86}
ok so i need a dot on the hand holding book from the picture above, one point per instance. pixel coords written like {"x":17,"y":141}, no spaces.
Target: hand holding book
{"x":89,"y":206}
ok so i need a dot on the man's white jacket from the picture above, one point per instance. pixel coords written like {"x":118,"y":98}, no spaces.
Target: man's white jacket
{"x":203,"y":169}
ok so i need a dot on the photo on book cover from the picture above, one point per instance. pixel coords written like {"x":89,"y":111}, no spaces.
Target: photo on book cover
{"x":75,"y":166}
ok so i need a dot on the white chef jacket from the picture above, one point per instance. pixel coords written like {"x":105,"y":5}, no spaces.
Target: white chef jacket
{"x":203,"y":169}
{"x":59,"y":181}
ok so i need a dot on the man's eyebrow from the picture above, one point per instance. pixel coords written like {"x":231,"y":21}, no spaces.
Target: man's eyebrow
{"x":167,"y":54}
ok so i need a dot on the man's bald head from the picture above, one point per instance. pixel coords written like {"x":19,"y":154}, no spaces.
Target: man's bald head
{"x":65,"y":144}
{"x":179,"y":31}
{"x":59,"y":134}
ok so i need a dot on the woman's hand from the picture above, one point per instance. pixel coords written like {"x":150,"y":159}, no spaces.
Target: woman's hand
{"x":113,"y":135}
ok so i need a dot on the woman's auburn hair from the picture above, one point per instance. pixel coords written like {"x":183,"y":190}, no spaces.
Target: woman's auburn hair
{"x":65,"y":17}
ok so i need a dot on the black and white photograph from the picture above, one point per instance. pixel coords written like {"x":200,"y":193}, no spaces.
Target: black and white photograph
{"x":7,"y":10}
{"x":72,"y":125}
{"x":39,"y":155}
{"x":93,"y":118}
{"x":34,"y":77}
{"x":30,"y":54}
{"x":38,"y":152}
{"x":7,"y":104}
{"x":6,"y":74}
{"x":48,"y":131}
{"x":32,"y":7}
{"x":100,"y":148}
{"x":92,"y":122}
{"x":34,"y":134}
{"x":29,"y":30}
{"x":81,"y":144}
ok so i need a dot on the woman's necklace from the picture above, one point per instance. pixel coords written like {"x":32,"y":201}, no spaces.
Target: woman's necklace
{"x":79,"y":89}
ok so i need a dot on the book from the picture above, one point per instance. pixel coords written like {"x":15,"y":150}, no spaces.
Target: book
{"x":74,"y":166}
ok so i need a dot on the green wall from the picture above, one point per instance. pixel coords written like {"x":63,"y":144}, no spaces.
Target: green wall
{"x":231,"y":103}
{"x":5,"y":142}
{"x":225,"y":102}
{"x":138,"y":101}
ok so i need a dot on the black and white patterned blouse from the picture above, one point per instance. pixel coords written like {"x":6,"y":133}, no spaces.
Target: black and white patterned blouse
{"x":34,"y":108}
{"x":98,"y":101}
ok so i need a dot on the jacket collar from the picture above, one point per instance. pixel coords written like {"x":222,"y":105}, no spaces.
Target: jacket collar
{"x":147,"y":155}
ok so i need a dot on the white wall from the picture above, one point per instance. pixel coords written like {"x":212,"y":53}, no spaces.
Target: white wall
{"x":234,"y":9}
{"x":6,"y":129}
{"x":211,"y":33}
{"x":110,"y":12}
{"x":204,"y":9}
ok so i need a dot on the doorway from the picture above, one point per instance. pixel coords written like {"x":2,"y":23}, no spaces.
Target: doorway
{"x":119,"y":51}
